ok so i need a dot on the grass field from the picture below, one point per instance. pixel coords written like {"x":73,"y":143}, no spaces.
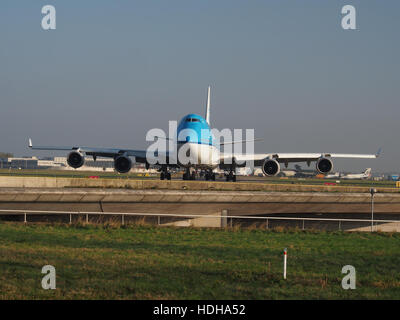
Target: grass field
{"x":144,"y":262}
{"x":114,"y":175}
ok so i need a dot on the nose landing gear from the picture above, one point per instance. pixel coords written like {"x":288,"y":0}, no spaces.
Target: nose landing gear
{"x":189,"y":176}
{"x":209,"y":175}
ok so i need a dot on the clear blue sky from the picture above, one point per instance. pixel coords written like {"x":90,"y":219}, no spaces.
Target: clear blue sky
{"x":114,"y":69}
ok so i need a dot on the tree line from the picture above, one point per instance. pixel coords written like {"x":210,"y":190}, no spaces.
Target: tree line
{"x":6,"y":155}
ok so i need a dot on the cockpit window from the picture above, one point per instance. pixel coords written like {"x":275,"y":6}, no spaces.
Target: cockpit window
{"x":192,"y":120}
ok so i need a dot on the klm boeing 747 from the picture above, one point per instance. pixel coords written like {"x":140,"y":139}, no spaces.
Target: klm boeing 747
{"x":195,"y":141}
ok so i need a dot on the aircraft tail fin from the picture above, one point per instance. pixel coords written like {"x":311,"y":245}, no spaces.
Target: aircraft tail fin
{"x":367,"y":171}
{"x":208,"y":106}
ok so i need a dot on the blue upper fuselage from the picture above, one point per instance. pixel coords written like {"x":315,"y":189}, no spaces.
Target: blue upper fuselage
{"x":195,"y":129}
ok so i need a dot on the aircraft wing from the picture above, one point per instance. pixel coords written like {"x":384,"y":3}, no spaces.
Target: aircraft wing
{"x":140,"y":155}
{"x":292,"y":157}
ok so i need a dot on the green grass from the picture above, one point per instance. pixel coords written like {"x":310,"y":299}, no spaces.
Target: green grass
{"x":144,"y":262}
{"x":115,"y":175}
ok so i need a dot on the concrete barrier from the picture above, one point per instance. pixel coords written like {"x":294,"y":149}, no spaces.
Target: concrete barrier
{"x":54,"y":182}
{"x":196,"y":202}
{"x":174,"y":196}
{"x":191,"y":202}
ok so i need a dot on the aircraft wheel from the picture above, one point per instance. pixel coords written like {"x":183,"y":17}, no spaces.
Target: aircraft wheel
{"x":193,"y":176}
{"x":213,"y":177}
{"x":162,"y":176}
{"x":168,"y":176}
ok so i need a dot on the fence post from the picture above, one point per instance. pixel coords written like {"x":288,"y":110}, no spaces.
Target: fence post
{"x":284,"y":262}
{"x":372,"y":191}
{"x":303,"y":224}
{"x":25,"y":221}
{"x":224,"y":219}
{"x":339,"y":225}
{"x":70,"y":218}
{"x":87,"y":218}
{"x":158,"y":220}
{"x":267,"y":224}
{"x":123,"y":221}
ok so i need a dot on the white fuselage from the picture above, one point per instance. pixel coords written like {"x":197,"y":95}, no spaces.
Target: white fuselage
{"x":199,"y":156}
{"x":356,"y":176}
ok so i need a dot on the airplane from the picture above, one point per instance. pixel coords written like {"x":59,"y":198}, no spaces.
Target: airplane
{"x":244,"y":171}
{"x":364,"y":175}
{"x":288,"y":173}
{"x":206,"y":152}
{"x":333,"y":176}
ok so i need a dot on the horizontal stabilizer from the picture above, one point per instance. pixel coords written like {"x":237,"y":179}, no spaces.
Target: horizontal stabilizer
{"x":239,"y":141}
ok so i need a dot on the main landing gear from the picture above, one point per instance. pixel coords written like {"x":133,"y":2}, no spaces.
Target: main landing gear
{"x":165,"y":174}
{"x":231,"y":176}
{"x":208,"y":175}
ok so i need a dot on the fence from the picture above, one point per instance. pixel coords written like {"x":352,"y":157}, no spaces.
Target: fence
{"x":226,"y":220}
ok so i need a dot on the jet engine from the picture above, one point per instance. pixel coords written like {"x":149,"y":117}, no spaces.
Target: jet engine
{"x":122,"y":164}
{"x":75,"y":159}
{"x":271,"y":167}
{"x":324,"y":165}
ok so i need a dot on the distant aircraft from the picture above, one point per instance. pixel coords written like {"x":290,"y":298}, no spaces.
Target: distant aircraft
{"x":244,"y":171}
{"x":333,"y":176}
{"x":288,"y":173}
{"x":202,"y":146}
{"x":365,"y":175}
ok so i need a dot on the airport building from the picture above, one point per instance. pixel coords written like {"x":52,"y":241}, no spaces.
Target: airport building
{"x":19,"y":163}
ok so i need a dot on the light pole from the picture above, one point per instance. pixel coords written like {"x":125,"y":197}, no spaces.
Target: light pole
{"x":372,"y":191}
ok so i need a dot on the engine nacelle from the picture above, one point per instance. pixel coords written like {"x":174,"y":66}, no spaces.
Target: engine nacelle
{"x":122,"y":164}
{"x":271,"y":167}
{"x":75,"y":159}
{"x":324,"y":165}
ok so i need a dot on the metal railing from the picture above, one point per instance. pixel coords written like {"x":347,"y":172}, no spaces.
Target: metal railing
{"x":267,"y":219}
